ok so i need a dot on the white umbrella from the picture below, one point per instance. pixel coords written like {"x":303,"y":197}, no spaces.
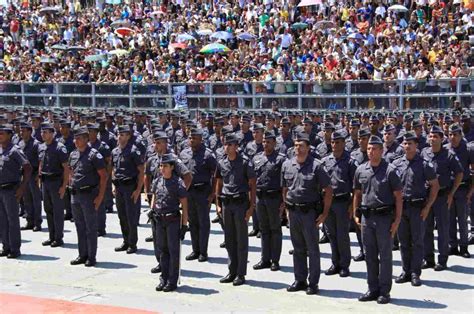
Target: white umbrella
{"x":246,"y":36}
{"x":398,"y":8}
{"x":324,"y":25}
{"x":185,"y":37}
{"x":204,"y":32}
{"x":307,"y":3}
{"x":118,"y":52}
{"x":355,"y":36}
{"x":222,"y":35}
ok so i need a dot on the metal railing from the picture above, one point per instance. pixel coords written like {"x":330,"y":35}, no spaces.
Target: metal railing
{"x":351,"y":95}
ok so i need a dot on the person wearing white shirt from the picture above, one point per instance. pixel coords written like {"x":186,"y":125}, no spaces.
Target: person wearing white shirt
{"x":380,"y":10}
{"x":286,"y":39}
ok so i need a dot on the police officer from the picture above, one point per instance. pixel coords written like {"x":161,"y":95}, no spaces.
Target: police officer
{"x":267,"y":166}
{"x":127,"y":176}
{"x":340,"y":168}
{"x":87,"y":169}
{"x":415,"y":174}
{"x":65,"y":137}
{"x":13,"y":163}
{"x":378,"y":193}
{"x":54,"y":174}
{"x":459,"y":209}
{"x":170,"y":225}
{"x":447,"y":165}
{"x":236,"y":183}
{"x":391,"y":149}
{"x":303,"y":178}
{"x":202,"y":163}
{"x":32,"y":196}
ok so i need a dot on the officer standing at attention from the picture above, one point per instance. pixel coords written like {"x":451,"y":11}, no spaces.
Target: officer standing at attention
{"x":236,"y":184}
{"x":202,"y":163}
{"x":303,"y":178}
{"x":341,"y":169}
{"x":32,"y":197}
{"x":15,"y":173}
{"x":267,"y":166}
{"x":127,"y":176}
{"x":416,"y":174}
{"x":447,"y":166}
{"x":66,"y":138}
{"x":171,"y":226}
{"x":54,"y":174}
{"x":378,"y":194}
{"x":87,"y":169}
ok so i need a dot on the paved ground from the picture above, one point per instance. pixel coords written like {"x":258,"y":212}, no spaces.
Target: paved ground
{"x":125,"y":280}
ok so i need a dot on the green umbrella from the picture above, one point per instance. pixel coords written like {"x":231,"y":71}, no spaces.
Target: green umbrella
{"x":214,"y":48}
{"x":95,"y":58}
{"x":299,"y":25}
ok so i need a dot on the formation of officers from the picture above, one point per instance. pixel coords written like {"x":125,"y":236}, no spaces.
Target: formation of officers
{"x":390,"y":177}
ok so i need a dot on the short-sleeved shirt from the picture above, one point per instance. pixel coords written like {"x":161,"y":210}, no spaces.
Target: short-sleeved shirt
{"x":324,"y":149}
{"x":102,"y":147}
{"x":31,"y":151}
{"x":465,"y":158}
{"x":52,"y":157}
{"x":167,"y":194}
{"x":235,"y":174}
{"x":284,"y":143}
{"x":253,"y":148}
{"x":268,"y":170}
{"x":125,"y":161}
{"x":446,"y":164}
{"x":12,"y":159}
{"x":201,"y":163}
{"x":68,"y":142}
{"x":377,"y":184}
{"x":152,"y":169}
{"x":304,"y":181}
{"x":341,"y":171}
{"x":360,"y":156}
{"x":414,"y":175}
{"x":393,"y":152}
{"x":84,"y":167}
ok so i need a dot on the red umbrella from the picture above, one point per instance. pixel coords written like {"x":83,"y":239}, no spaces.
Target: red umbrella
{"x":178,"y":45}
{"x":124,"y":31}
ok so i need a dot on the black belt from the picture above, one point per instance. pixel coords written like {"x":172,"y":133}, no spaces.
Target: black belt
{"x":8,"y":186}
{"x":200,"y":186}
{"x":415,"y":202}
{"x":268,"y":193}
{"x":379,"y":210}
{"x":50,"y":176}
{"x":465,"y":184}
{"x":341,"y":197}
{"x":83,"y":189}
{"x":304,"y":207}
{"x":127,"y":181}
{"x":233,"y":198}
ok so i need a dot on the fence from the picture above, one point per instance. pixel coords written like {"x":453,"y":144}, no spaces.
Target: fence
{"x":352,"y":95}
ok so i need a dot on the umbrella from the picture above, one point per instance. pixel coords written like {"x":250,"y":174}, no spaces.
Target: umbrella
{"x":47,"y":60}
{"x":120,"y":23}
{"x":113,"y":1}
{"x":299,"y":25}
{"x":76,"y":48}
{"x":185,"y":37}
{"x":157,"y":13}
{"x":118,"y":52}
{"x":355,"y":36}
{"x":246,"y":36}
{"x":204,"y":32}
{"x":222,"y":35}
{"x":49,"y":10}
{"x":178,"y":45}
{"x":398,"y":8}
{"x":214,"y":48}
{"x":307,"y":3}
{"x":59,"y":47}
{"x":324,"y":25}
{"x":95,"y":58}
{"x":124,"y":31}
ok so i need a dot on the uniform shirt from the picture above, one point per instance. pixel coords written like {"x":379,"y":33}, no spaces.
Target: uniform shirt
{"x":360,"y":156}
{"x":341,"y":171}
{"x":152,"y":168}
{"x":393,"y":152}
{"x":140,"y":143}
{"x":126,"y":161}
{"x":252,"y":149}
{"x":31,"y":151}
{"x":37,"y":135}
{"x":283,"y":144}
{"x":68,"y":142}
{"x":12,"y":160}
{"x":465,"y":158}
{"x":214,"y":142}
{"x":377,"y":184}
{"x":268,"y":170}
{"x":201,"y":163}
{"x":102,"y":147}
{"x":109,"y":138}
{"x":445,"y":163}
{"x":235,"y":174}
{"x":220,"y":153}
{"x":52,"y":157}
{"x":290,"y":153}
{"x":414,"y":175}
{"x":351,"y":144}
{"x":323,"y":149}
{"x":304,"y":181}
{"x":244,"y":138}
{"x":84,"y":167}
{"x":167,"y":194}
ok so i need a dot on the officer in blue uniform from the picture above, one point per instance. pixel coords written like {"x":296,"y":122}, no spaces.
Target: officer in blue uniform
{"x":127,"y":176}
{"x":236,"y":188}
{"x":341,"y":168}
{"x":110,"y":139}
{"x":32,"y":197}
{"x":54,"y":174}
{"x":267,"y":166}
{"x":459,"y":210}
{"x":416,"y":174}
{"x":65,"y":137}
{"x":378,"y":195}
{"x":447,"y":166}
{"x":202,"y":163}
{"x":324,"y":149}
{"x":13,"y":163}
{"x":391,"y":149}
{"x":88,"y":182}
{"x":303,"y":179}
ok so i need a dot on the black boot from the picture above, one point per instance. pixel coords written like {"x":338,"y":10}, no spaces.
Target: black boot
{"x":464,"y":252}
